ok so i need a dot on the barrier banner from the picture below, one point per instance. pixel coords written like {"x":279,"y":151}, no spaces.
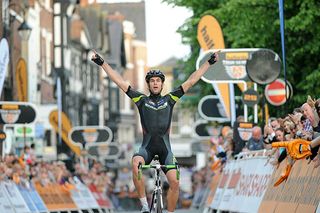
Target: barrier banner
{"x":300,"y":193}
{"x":243,"y":183}
{"x":24,"y":193}
{"x":55,"y":197}
{"x":5,"y":205}
{"x":250,"y":180}
{"x":101,"y":198}
{"x":213,"y":187}
{"x":16,"y":200}
{"x":224,"y":180}
{"x":32,"y":198}
{"x":83,"y":197}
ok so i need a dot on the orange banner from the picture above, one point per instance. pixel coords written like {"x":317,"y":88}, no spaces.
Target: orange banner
{"x":300,"y":193}
{"x":66,"y":127}
{"x":54,"y":197}
{"x":22,"y":80}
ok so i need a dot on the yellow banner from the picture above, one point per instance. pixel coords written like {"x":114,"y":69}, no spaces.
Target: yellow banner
{"x":22,"y":80}
{"x":66,"y":127}
{"x":210,"y":34}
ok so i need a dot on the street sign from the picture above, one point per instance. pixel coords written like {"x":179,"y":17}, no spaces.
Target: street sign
{"x":264,"y":66}
{"x":275,"y":92}
{"x":250,"y":97}
{"x":16,"y":112}
{"x":231,"y":66}
{"x":90,"y":134}
{"x":211,"y":109}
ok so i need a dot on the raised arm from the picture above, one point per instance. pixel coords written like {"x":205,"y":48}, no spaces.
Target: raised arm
{"x":113,"y":75}
{"x":196,"y":75}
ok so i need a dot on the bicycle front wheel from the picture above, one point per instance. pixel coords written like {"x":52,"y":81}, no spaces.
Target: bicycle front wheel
{"x":159,"y":203}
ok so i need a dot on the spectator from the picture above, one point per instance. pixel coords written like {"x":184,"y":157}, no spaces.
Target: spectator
{"x":256,"y":140}
{"x":310,"y":113}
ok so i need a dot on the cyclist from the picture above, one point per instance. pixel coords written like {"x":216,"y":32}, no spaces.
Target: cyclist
{"x":155,"y":113}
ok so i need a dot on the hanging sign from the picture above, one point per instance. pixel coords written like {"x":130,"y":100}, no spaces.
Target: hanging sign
{"x":16,"y":112}
{"x":90,"y":134}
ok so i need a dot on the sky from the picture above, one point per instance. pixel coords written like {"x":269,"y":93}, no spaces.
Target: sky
{"x":162,"y":22}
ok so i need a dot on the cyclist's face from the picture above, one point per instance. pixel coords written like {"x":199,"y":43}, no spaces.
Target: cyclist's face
{"x":155,"y":85}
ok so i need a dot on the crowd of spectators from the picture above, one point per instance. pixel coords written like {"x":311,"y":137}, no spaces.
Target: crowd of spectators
{"x":302,"y":123}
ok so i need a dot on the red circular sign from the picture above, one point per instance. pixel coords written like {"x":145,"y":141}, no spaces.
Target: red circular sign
{"x":275,"y":92}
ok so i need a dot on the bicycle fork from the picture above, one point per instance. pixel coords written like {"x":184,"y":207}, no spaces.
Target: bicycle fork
{"x":156,"y":201}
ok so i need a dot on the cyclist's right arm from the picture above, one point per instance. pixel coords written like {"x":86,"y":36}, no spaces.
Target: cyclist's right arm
{"x":113,"y":75}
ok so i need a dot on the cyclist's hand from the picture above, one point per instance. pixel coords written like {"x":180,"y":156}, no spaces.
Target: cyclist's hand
{"x":96,"y":58}
{"x":213,"y":58}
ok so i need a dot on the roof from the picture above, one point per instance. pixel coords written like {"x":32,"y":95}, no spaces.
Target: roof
{"x":134,"y":12}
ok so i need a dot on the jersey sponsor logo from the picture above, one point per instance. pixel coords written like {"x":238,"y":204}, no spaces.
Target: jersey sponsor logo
{"x":153,"y":106}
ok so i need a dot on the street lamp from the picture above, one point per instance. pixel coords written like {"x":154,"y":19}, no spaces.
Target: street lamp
{"x":24,"y":31}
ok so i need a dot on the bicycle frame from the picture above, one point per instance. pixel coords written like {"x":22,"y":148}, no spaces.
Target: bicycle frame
{"x":156,"y":201}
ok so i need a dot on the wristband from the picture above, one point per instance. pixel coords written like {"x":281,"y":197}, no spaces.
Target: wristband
{"x":212,"y":59}
{"x":98,"y":60}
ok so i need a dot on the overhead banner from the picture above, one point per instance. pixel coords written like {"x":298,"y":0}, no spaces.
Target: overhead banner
{"x":102,"y":151}
{"x":4,"y":61}
{"x":22,"y":80}
{"x":211,"y":109}
{"x":66,"y":127}
{"x":231,"y":66}
{"x":90,"y":134}
{"x":16,"y":112}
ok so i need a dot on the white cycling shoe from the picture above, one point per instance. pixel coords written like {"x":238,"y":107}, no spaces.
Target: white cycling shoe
{"x":145,"y":209}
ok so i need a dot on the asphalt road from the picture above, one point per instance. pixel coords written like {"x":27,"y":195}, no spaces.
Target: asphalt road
{"x":177,"y":211}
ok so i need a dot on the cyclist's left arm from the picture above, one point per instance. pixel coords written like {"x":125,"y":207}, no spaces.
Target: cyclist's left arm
{"x":176,"y":94}
{"x":196,"y":75}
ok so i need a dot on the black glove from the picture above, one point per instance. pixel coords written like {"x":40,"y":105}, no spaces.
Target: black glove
{"x":212,"y":59}
{"x":98,"y":60}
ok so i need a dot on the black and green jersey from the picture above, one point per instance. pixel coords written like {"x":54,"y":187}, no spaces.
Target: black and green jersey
{"x":155,"y":114}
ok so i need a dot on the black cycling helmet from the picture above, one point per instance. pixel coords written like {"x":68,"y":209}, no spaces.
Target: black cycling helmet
{"x":155,"y":73}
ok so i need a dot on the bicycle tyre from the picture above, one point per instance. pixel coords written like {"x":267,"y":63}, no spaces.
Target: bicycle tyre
{"x":159,"y":200}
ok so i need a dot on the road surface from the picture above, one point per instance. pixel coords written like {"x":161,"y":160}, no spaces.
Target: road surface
{"x":177,"y":211}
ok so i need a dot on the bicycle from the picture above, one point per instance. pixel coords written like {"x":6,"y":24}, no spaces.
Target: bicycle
{"x":156,"y":201}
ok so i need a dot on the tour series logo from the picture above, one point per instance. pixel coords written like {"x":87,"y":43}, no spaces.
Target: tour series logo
{"x":10,"y":113}
{"x":16,"y":112}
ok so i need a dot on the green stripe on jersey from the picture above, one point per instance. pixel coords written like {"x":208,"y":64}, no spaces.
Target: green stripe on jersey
{"x":175,"y":98}
{"x":136,"y":99}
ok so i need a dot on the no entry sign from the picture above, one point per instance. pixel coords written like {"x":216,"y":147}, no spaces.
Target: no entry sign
{"x":275,"y":92}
